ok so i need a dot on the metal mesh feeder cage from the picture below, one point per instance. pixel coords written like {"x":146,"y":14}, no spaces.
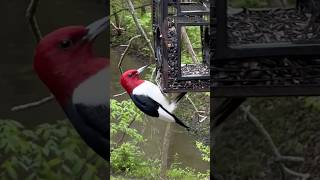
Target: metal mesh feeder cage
{"x":182,"y":66}
{"x":265,"y":49}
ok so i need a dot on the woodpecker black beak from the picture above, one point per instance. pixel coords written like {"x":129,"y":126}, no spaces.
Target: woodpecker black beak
{"x":96,"y":28}
{"x":140,"y":70}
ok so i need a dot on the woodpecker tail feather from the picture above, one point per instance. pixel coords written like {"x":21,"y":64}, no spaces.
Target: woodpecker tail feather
{"x":225,"y":108}
{"x":179,"y":97}
{"x":178,"y":121}
{"x":174,"y":103}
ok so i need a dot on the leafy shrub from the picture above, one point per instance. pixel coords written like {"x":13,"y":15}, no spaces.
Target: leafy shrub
{"x":50,"y":151}
{"x":128,"y":159}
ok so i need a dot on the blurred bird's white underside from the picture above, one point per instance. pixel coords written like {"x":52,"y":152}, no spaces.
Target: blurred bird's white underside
{"x":93,"y":91}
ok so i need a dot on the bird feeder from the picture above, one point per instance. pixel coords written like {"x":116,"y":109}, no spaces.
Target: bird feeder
{"x":182,"y":65}
{"x":265,"y":51}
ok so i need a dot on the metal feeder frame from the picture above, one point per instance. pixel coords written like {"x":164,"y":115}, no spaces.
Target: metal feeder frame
{"x":222,"y":53}
{"x":169,"y":58}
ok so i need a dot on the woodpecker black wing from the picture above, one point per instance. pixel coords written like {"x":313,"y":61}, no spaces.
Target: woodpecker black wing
{"x":92,"y":126}
{"x":96,"y":117}
{"x":152,"y":108}
{"x":146,"y":105}
{"x":179,"y":97}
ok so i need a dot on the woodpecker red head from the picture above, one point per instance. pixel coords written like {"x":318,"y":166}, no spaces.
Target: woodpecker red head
{"x":148,"y":97}
{"x":65,"y":62}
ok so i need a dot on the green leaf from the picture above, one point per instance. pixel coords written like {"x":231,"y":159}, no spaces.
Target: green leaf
{"x":54,"y":162}
{"x":12,"y":173}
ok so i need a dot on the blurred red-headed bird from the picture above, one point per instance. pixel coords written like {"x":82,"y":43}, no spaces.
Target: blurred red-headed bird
{"x":78,"y":79}
{"x":149,"y":98}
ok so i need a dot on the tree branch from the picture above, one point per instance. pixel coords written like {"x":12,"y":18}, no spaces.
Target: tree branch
{"x":255,"y":121}
{"x":120,"y":94}
{"x":187,"y":42}
{"x":33,"y":104}
{"x":126,"y":9}
{"x":196,"y":109}
{"x":30,"y":15}
{"x":126,"y":51}
{"x":141,"y":30}
{"x":165,"y":150}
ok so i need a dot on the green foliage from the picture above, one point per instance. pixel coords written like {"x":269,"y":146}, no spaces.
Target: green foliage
{"x":177,"y":173}
{"x":131,"y":30}
{"x":205,"y":151}
{"x":50,"y":151}
{"x":128,"y":159}
{"x":122,"y":114}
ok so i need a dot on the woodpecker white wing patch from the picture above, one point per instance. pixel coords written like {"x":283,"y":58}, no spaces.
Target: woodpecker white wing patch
{"x":94,"y":90}
{"x":151,"y":90}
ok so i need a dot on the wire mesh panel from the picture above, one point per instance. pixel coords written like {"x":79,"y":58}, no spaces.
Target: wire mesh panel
{"x":265,"y":49}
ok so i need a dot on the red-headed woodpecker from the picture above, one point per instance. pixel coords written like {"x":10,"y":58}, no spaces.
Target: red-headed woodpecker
{"x":149,"y":98}
{"x":65,"y":62}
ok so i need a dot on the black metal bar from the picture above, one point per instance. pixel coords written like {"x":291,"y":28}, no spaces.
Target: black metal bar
{"x":178,"y":30}
{"x":265,"y":91}
{"x":220,"y":43}
{"x":267,"y":50}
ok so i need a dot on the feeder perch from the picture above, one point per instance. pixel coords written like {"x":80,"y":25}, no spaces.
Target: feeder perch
{"x":265,"y":51}
{"x":170,"y":18}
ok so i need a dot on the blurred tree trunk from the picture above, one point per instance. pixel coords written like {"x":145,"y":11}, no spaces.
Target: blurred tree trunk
{"x":165,"y":150}
{"x":188,"y":44}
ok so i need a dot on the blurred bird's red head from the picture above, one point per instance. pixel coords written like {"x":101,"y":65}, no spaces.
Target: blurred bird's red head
{"x":130,"y":79}
{"x":64,"y":58}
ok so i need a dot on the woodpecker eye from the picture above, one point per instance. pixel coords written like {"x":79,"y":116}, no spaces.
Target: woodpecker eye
{"x":65,"y":43}
{"x":130,"y":75}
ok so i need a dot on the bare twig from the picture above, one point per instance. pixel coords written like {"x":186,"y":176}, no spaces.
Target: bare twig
{"x":118,"y":29}
{"x":165,"y":151}
{"x":33,"y":104}
{"x":141,"y":30}
{"x":125,"y":52}
{"x":253,"y":119}
{"x":196,"y":109}
{"x":120,"y":94}
{"x":290,"y":158}
{"x":294,"y":173}
{"x":30,"y":15}
{"x":126,"y":9}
